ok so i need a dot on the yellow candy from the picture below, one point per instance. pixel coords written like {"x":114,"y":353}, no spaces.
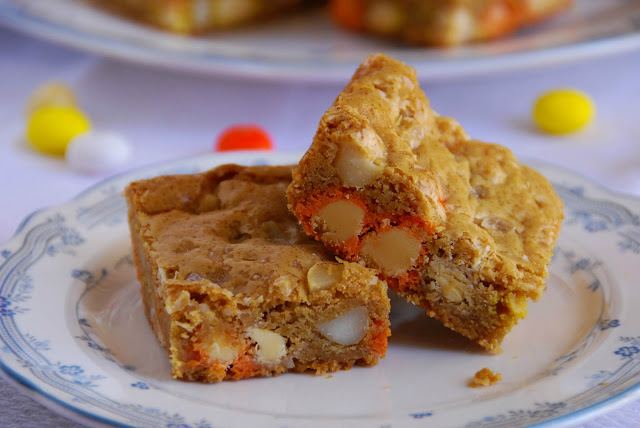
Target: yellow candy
{"x":50,"y":129}
{"x":563,"y":111}
{"x":50,"y":94}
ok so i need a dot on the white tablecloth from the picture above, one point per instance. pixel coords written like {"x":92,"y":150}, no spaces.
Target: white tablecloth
{"x":168,"y":114}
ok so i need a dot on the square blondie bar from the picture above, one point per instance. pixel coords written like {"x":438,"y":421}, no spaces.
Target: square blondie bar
{"x":232,"y":286}
{"x":456,"y":226}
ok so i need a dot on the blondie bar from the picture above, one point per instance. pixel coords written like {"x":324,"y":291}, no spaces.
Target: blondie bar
{"x":442,"y":22}
{"x":197,"y":16}
{"x":233,"y":288}
{"x":456,"y":226}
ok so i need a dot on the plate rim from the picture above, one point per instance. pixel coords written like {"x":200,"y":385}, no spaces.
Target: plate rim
{"x":60,"y":407}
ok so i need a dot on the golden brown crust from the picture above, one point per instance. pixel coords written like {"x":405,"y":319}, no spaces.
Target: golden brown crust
{"x":224,"y":271}
{"x":442,"y":22}
{"x":456,"y":226}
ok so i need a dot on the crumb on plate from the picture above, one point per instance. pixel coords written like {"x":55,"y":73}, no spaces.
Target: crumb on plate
{"x":485,"y":377}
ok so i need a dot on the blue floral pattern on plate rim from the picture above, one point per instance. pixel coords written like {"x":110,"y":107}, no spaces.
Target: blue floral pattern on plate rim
{"x":30,"y":356}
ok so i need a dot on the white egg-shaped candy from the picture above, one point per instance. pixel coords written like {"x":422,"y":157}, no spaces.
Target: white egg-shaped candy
{"x":97,"y":152}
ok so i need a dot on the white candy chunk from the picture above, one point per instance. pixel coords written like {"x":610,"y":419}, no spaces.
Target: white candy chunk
{"x":271,"y":346}
{"x":97,"y":152}
{"x":393,"y":251}
{"x":324,"y":275}
{"x":222,"y":350}
{"x":347,"y":329}
{"x":339,"y":221}
{"x":361,"y":159}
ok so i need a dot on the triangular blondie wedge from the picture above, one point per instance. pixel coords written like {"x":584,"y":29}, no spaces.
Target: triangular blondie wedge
{"x":456,"y":226}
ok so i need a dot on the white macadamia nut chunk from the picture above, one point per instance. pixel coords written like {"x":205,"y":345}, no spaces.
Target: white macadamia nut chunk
{"x":361,"y":159}
{"x":271,"y":346}
{"x":339,"y":221}
{"x":347,"y":329}
{"x":324,"y":275}
{"x":393,"y":251}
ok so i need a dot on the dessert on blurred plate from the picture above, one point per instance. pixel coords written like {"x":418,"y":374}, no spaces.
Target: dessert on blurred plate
{"x":456,"y":226}
{"x":198,"y":16}
{"x":442,"y":22}
{"x":418,"y":22}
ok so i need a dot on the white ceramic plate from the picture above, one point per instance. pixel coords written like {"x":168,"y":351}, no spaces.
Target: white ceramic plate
{"x":310,"y":48}
{"x":73,"y":333}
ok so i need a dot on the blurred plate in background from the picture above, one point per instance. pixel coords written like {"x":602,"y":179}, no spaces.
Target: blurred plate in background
{"x":310,"y":48}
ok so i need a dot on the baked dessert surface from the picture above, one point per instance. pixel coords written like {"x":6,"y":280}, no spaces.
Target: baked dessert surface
{"x":454,"y":225}
{"x":233,"y":288}
{"x":197,"y":16}
{"x":442,"y":22}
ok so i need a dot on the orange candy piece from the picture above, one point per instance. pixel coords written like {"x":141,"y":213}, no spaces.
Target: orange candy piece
{"x":243,"y":137}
